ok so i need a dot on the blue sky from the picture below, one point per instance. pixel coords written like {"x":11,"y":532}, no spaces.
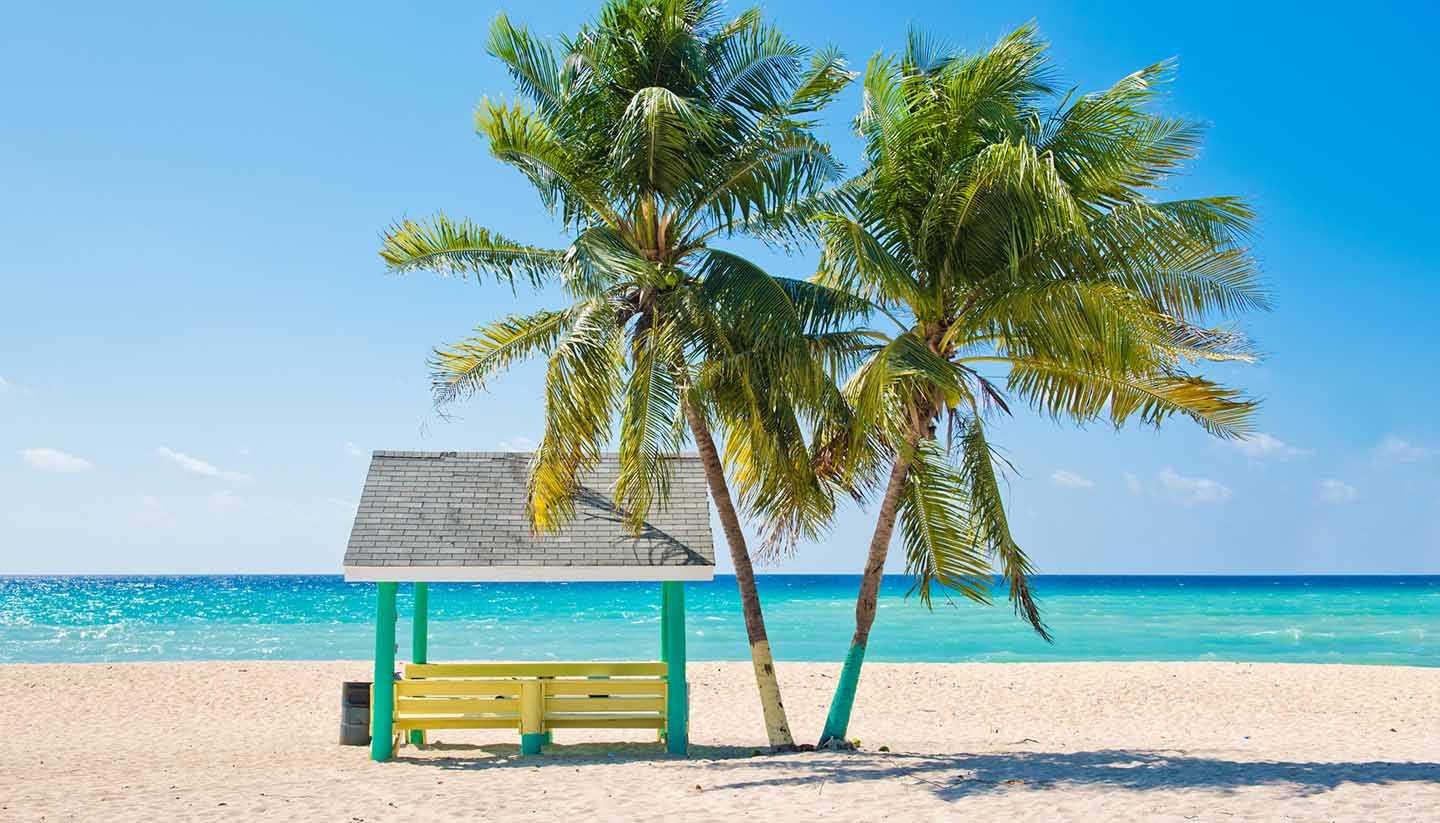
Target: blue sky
{"x":199,"y":345}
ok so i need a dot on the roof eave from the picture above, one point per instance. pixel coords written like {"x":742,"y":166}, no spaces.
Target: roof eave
{"x":527,"y":574}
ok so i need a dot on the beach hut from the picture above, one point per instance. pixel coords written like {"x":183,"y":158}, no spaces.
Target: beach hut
{"x":427,"y":517}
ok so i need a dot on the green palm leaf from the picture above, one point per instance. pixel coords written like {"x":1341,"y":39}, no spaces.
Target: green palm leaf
{"x":465,"y":368}
{"x":452,"y":247}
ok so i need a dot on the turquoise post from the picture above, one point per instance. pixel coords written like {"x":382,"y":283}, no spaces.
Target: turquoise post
{"x":664,"y":622}
{"x":664,"y":637}
{"x":382,"y":702}
{"x":420,"y":640}
{"x":677,"y":733}
{"x":837,"y":723}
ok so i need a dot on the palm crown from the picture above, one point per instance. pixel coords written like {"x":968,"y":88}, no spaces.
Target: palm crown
{"x":1001,"y":225}
{"x":662,"y":127}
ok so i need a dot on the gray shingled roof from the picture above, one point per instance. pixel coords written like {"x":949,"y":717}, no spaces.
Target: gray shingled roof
{"x":461,"y":516}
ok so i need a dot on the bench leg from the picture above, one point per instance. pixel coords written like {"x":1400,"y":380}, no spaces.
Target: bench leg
{"x":532,"y":717}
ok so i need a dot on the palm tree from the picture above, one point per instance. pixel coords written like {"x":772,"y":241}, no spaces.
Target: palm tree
{"x":657,"y":129}
{"x":1000,"y":225}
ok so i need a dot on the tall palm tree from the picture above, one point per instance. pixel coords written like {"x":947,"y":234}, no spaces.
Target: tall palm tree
{"x":657,"y":129}
{"x":1002,"y":226}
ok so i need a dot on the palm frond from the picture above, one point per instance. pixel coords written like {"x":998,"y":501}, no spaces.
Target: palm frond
{"x":1082,"y":394}
{"x":459,"y":247}
{"x":532,"y":64}
{"x":992,"y":525}
{"x":651,"y":425}
{"x":655,"y":139}
{"x":942,"y":545}
{"x":583,"y":385}
{"x":464,"y":368}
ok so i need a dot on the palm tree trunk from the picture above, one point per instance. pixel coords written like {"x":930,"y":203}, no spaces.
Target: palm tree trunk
{"x":837,"y":722}
{"x":777,"y":728}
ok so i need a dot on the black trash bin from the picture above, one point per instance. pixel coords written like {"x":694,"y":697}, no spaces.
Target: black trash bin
{"x":355,"y":713}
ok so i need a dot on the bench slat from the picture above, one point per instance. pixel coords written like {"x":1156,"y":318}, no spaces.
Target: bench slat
{"x":461,"y":688}
{"x":649,"y":688}
{"x":409,"y":723}
{"x":452,"y":705}
{"x":546,"y":669}
{"x":593,"y":721}
{"x":604,"y":704}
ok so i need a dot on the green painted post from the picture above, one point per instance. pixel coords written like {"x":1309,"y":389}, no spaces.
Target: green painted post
{"x":837,"y":722}
{"x":664,"y":637}
{"x":420,"y":630}
{"x":677,"y":734}
{"x":420,"y":640}
{"x":664,"y":622}
{"x":382,"y":704}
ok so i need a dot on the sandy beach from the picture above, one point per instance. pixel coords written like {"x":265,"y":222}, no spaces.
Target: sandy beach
{"x":1055,"y":742}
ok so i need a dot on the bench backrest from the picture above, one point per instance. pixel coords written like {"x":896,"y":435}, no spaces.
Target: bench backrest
{"x":574,"y":695}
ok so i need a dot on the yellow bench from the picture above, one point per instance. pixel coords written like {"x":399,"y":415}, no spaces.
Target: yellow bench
{"x":531,"y":697}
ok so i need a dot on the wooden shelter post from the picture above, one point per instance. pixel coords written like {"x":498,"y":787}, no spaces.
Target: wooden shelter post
{"x":382,"y":699}
{"x":677,"y":709}
{"x":420,"y":639}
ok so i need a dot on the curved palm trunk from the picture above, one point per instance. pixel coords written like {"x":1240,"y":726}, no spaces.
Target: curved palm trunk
{"x":777,"y":728}
{"x":837,"y":722}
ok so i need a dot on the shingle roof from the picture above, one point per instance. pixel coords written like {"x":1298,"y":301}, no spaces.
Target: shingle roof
{"x":461,"y":516}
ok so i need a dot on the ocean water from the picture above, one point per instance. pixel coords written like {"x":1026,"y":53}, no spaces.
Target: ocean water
{"x":1386,"y":620}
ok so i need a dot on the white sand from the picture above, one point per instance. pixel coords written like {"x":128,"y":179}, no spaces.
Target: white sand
{"x":994,"y":742}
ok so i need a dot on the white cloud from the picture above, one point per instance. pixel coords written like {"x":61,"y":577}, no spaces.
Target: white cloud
{"x":1262,"y":446}
{"x":1331,"y":490}
{"x":1397,"y":450}
{"x":11,"y":387}
{"x":1192,"y":490}
{"x":518,"y":443}
{"x":1066,"y":479}
{"x":354,"y":450}
{"x":54,"y":460}
{"x":194,"y":465}
{"x":1132,"y":483}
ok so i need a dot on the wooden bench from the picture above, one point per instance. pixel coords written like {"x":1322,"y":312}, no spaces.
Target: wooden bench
{"x":531,"y":697}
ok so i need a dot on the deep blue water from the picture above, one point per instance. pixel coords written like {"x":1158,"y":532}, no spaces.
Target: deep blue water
{"x":1394,"y":620}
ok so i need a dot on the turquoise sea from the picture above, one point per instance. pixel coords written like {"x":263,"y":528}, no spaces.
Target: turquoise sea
{"x":1388,"y":620}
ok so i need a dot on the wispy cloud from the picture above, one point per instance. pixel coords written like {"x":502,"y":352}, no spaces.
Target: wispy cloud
{"x":1066,"y":479}
{"x":1262,"y":446}
{"x":195,"y":465}
{"x":54,"y":460}
{"x":354,"y":450}
{"x":518,"y":443}
{"x":1398,"y":450}
{"x":1331,"y":490}
{"x":1132,"y":483}
{"x":11,"y":387}
{"x":1192,"y":490}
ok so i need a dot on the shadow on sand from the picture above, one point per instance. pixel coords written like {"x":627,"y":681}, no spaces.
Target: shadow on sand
{"x":469,"y":756}
{"x":952,"y":777}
